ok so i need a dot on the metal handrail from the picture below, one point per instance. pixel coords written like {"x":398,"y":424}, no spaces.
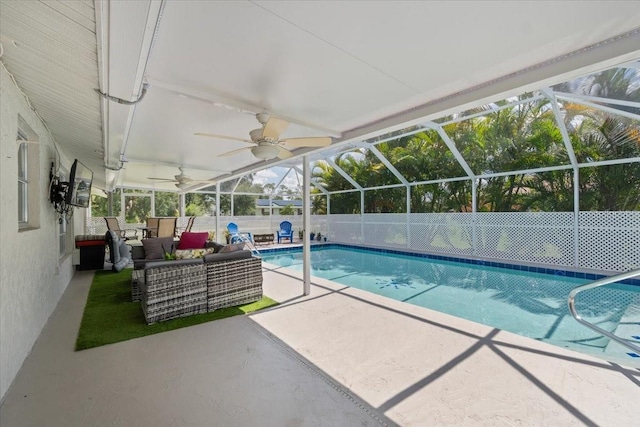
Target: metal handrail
{"x":604,"y":281}
{"x":245,"y":239}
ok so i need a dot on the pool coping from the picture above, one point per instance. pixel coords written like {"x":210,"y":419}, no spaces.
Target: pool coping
{"x":475,"y":261}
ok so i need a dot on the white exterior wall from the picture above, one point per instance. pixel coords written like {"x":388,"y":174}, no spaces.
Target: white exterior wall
{"x":33,"y":276}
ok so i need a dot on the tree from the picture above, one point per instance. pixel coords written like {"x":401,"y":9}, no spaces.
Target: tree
{"x":100,"y":205}
{"x":329,"y":178}
{"x":613,"y":187}
{"x":287,"y":210}
{"x":167,"y":203}
{"x":199,"y":204}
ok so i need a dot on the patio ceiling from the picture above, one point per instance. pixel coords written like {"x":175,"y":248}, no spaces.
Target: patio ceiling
{"x":347,"y":69}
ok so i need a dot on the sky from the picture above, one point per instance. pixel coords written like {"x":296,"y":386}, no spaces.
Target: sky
{"x":274,"y":175}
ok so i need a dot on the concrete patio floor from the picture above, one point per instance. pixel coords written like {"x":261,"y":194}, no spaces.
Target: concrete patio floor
{"x":338,"y":357}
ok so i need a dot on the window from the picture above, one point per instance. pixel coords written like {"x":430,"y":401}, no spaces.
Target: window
{"x":23,"y":182}
{"x":62,"y":237}
{"x":28,"y":178}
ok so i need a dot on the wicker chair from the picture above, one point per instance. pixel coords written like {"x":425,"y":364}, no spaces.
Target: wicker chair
{"x":234,"y":282}
{"x":172,"y":289}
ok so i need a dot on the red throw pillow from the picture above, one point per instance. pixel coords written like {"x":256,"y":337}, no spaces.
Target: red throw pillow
{"x":193,"y":240}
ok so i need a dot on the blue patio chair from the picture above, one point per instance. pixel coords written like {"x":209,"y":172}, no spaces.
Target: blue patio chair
{"x":236,"y":236}
{"x":285,"y":231}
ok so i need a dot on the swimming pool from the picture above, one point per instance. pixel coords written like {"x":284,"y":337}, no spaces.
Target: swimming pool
{"x":530,"y":303}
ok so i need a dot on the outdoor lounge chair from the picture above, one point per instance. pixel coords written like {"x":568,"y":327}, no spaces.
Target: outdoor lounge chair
{"x":187,"y":228}
{"x":113,"y":225}
{"x":167,"y":227}
{"x":152,"y":227}
{"x":235,"y":235}
{"x":285,"y":231}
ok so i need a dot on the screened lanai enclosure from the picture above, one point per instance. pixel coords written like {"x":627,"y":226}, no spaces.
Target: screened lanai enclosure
{"x":551,"y":177}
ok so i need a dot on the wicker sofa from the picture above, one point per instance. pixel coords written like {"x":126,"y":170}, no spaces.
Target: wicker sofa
{"x":171,"y":289}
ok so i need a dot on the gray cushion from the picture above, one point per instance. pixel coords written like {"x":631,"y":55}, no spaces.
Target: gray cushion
{"x":137,"y":251}
{"x":226,"y":256}
{"x":215,"y":245}
{"x":172,"y":263}
{"x":113,"y":240}
{"x":156,"y":247}
{"x":232,"y":247}
{"x":124,"y":252}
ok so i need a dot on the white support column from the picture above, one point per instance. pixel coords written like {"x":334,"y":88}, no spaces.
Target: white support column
{"x":271,"y":211}
{"x":474,"y":212}
{"x":123,"y":206}
{"x":328,"y":215}
{"x":361,"y":216}
{"x":576,"y":217}
{"x":408,"y":216}
{"x":306,"y":226}
{"x":218,"y":214}
{"x":576,"y":173}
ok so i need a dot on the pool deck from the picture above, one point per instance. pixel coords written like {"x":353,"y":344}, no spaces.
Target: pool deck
{"x":337,"y":357}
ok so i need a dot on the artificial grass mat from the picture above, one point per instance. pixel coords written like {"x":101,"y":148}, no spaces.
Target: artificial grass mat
{"x":110,"y":316}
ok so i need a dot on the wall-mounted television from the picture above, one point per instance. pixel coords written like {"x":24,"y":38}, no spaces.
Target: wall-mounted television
{"x":79,"y":191}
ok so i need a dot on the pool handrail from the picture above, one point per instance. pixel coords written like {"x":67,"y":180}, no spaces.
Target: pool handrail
{"x":596,"y":284}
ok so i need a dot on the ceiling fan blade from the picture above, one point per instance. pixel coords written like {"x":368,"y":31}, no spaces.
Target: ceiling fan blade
{"x":231,"y":153}
{"x":212,"y":135}
{"x":283,"y":153}
{"x":274,"y":127}
{"x":321,"y":141}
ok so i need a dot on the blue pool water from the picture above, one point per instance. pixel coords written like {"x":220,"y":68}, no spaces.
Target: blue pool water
{"x":527,"y":303}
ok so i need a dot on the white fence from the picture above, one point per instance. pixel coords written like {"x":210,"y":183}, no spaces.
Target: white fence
{"x":595,"y":240}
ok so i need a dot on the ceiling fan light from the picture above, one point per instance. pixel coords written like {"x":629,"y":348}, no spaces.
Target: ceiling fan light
{"x":265,"y":152}
{"x":256,"y":134}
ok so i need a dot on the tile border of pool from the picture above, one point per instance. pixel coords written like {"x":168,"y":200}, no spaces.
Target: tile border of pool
{"x":508,"y":266}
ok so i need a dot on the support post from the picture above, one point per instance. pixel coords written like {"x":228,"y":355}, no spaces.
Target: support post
{"x":474,"y":222}
{"x":218,"y":213}
{"x":361,"y":216}
{"x":306,"y":226}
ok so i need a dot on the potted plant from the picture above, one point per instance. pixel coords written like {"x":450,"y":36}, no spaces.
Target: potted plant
{"x":312,"y":235}
{"x":319,"y":237}
{"x":169,"y":255}
{"x":300,"y":234}
{"x":227,"y":236}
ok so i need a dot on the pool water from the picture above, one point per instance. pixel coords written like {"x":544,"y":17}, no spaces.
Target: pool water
{"x":527,"y":303}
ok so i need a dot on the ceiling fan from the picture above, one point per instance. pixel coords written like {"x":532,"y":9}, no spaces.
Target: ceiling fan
{"x":267,"y":142}
{"x":182,"y":180}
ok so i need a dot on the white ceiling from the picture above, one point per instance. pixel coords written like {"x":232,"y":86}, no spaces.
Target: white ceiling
{"x":50,"y":49}
{"x":348,"y":69}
